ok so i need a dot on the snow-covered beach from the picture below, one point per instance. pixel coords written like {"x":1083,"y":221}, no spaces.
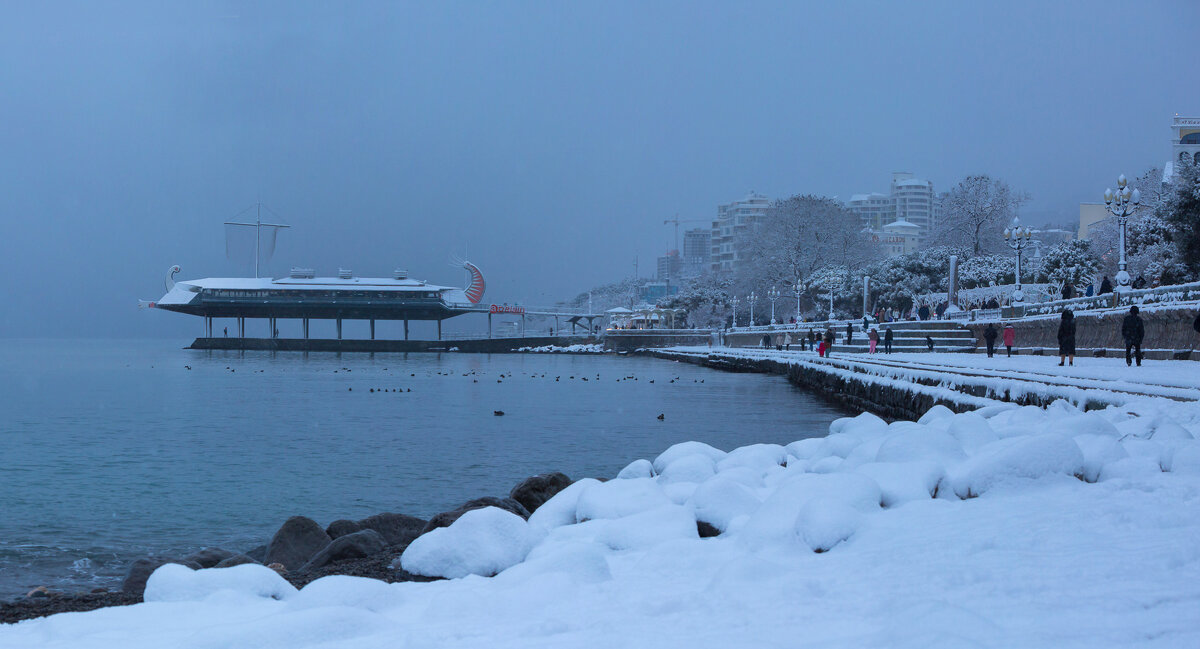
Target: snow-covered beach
{"x":1004,"y":527}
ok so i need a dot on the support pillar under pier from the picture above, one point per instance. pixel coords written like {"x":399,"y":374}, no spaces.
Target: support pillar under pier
{"x":372,"y":330}
{"x":406,"y":329}
{"x":241,"y":327}
{"x":306,"y":328}
{"x":489,"y":325}
{"x":208,"y":325}
{"x":439,"y":329}
{"x":339,"y":328}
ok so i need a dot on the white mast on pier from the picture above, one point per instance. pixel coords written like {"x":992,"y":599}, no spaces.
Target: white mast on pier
{"x":258,"y":225}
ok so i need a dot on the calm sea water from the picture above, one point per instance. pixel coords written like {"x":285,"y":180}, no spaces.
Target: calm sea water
{"x":111,"y":450}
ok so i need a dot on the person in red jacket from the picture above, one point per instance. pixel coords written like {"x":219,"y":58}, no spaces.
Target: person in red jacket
{"x":1010,"y":337}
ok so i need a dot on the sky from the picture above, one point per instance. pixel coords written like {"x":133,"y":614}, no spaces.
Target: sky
{"x":545,"y":141}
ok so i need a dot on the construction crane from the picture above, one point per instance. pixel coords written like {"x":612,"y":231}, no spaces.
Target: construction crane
{"x":676,"y":220}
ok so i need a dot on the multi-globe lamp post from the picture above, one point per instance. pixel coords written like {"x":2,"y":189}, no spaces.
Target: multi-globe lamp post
{"x":752,"y":297}
{"x":735,"y":303}
{"x":797,"y":288}
{"x":772,"y":295}
{"x":1018,"y":238}
{"x":1122,"y":204}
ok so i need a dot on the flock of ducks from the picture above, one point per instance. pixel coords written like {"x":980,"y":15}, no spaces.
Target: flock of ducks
{"x":473,"y":374}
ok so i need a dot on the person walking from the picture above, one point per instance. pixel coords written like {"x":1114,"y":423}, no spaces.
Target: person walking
{"x":849,"y":333}
{"x":929,"y":342}
{"x":766,"y":341}
{"x":828,"y":342}
{"x":226,"y":332}
{"x":873,"y":336}
{"x":887,"y":340}
{"x":989,"y":337}
{"x":1140,"y":282}
{"x":1133,"y":331}
{"x":1105,"y":286}
{"x":1010,"y":338}
{"x":1066,"y":337}
{"x":1068,"y":291}
{"x":923,"y":312}
{"x":787,"y":342}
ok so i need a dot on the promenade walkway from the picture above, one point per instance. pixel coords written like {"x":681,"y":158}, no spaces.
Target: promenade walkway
{"x":974,"y":380}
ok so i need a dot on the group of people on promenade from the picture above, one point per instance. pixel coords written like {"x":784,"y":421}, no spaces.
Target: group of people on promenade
{"x":822,"y":343}
{"x":1133,"y":333}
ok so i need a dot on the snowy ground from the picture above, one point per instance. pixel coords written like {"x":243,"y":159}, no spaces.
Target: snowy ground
{"x":1005,"y":527}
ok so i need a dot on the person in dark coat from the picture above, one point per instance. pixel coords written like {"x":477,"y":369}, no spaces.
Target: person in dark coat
{"x":1196,"y":323}
{"x":1066,"y":337}
{"x":828,"y":342}
{"x":923,"y":312}
{"x":989,"y":337}
{"x":766,"y":340}
{"x":1140,"y":282}
{"x":1105,"y":286}
{"x":1132,"y":330}
{"x":849,"y":333}
{"x":887,"y":340}
{"x":929,"y":342}
{"x":1068,"y":292}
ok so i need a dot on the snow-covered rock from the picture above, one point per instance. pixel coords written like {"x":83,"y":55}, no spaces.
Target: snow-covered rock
{"x":637,"y":469}
{"x":560,"y":509}
{"x":1098,"y":450}
{"x":619,"y":498}
{"x":481,"y":542}
{"x":720,"y":500}
{"x":689,"y":468}
{"x":1030,"y":456}
{"x":177,"y":583}
{"x":901,"y":482}
{"x":683,"y":449}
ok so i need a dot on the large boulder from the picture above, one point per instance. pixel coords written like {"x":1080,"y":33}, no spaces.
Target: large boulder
{"x":258,"y":553}
{"x":139,"y":572}
{"x":209,"y":557}
{"x":342,"y":527}
{"x":360,"y":544}
{"x":396,"y":529}
{"x":296,"y":542}
{"x":235,"y":560}
{"x":445,"y":519}
{"x":533,"y":491}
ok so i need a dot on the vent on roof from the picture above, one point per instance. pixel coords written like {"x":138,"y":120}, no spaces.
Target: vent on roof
{"x":345,"y":273}
{"x":399,"y":274}
{"x":303,"y":273}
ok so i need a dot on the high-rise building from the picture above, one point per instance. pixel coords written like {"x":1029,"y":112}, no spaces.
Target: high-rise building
{"x":697,"y":251}
{"x":670,"y":267}
{"x":911,"y":200}
{"x":730,"y":227}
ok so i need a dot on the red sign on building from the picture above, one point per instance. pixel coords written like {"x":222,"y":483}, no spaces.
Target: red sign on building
{"x":504,"y":308}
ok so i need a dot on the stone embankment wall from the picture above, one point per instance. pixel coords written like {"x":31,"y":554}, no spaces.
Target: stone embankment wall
{"x":633,"y":339}
{"x":1167,"y":329}
{"x":855,"y":395}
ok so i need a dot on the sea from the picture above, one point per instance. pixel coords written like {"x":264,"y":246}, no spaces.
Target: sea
{"x":113,"y":450}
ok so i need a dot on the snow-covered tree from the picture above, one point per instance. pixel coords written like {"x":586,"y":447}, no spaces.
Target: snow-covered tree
{"x":706,"y":301}
{"x":1181,"y":212}
{"x":975,"y":213}
{"x":799,"y":235}
{"x":1071,"y":262}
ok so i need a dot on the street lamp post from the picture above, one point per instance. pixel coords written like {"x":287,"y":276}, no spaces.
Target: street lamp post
{"x":831,"y":316}
{"x":1018,"y":239}
{"x":1122,"y":204}
{"x":797,"y":287}
{"x":735,"y":303}
{"x":772,"y":295}
{"x":752,"y":297}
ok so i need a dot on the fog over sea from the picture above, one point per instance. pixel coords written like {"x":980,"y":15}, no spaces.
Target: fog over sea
{"x":112,"y":450}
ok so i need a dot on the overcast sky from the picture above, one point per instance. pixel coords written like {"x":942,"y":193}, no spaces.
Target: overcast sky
{"x":547,"y":141}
